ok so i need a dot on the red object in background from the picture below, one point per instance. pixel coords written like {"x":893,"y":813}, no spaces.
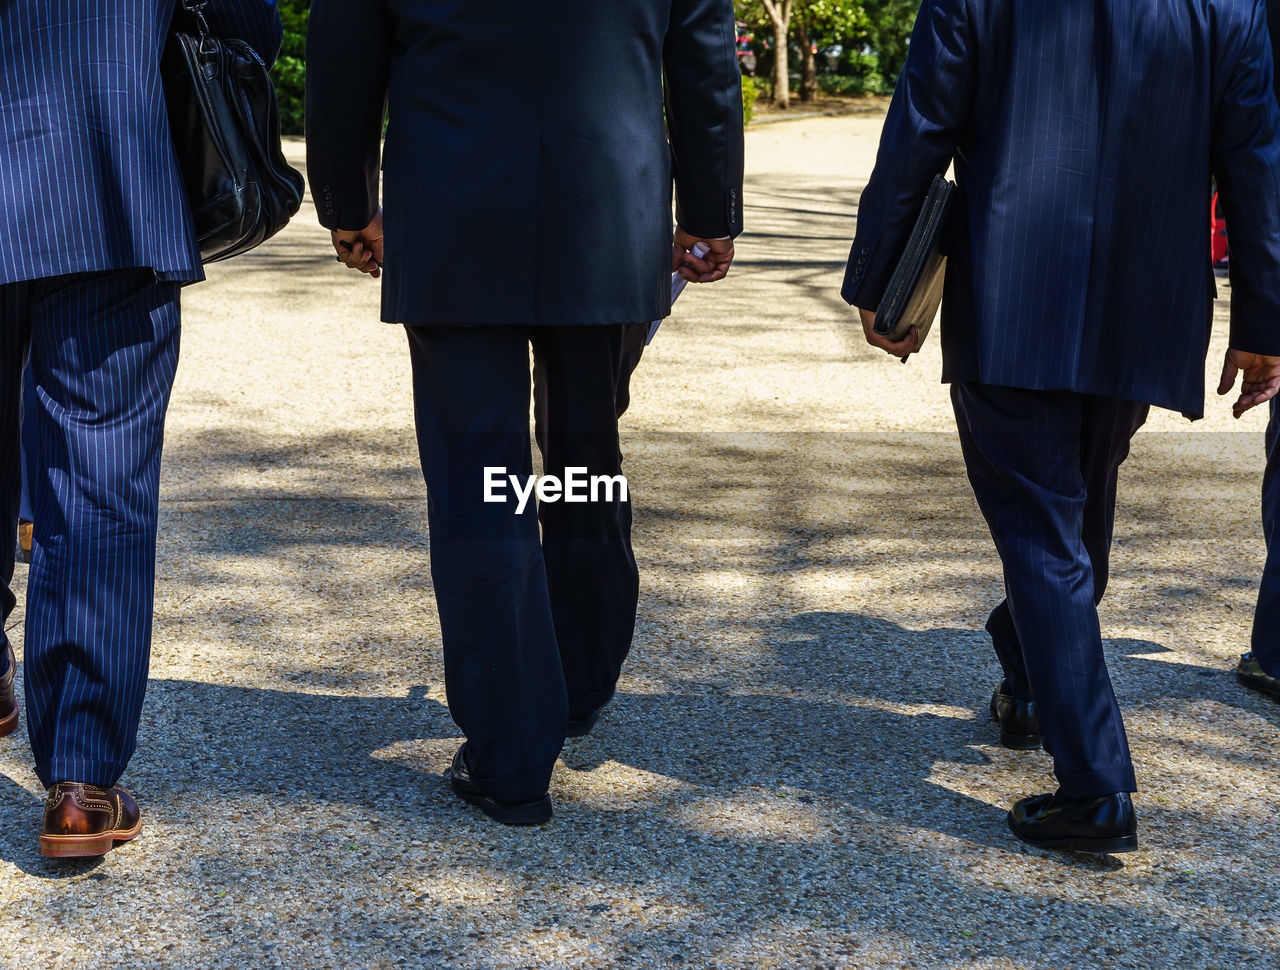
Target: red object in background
{"x":1218,"y":226}
{"x":746,"y":53}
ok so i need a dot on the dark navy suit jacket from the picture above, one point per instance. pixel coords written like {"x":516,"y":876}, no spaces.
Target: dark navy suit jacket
{"x":1084,"y":136}
{"x":88,"y":177}
{"x":528,"y":175}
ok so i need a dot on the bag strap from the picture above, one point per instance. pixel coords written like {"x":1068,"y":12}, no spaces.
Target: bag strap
{"x":196,"y":9}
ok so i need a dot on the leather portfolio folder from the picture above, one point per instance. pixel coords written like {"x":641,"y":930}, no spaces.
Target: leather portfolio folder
{"x":914,"y":292}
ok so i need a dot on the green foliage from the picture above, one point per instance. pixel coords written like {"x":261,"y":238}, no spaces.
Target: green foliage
{"x":290,"y":72}
{"x":750,"y":93}
{"x":832,"y":21}
{"x":890,"y":30}
{"x":872,"y":33}
{"x":844,"y":84}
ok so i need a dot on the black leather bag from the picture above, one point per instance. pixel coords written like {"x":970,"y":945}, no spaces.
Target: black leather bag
{"x":226,"y":131}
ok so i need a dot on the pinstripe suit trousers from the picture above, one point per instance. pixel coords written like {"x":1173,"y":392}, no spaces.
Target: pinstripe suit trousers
{"x":28,"y":446}
{"x":1043,"y":465}
{"x":103,"y":349}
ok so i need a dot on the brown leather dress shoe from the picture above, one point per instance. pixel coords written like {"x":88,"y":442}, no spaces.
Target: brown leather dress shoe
{"x":25,"y":535}
{"x":85,"y":820}
{"x":8,"y":703}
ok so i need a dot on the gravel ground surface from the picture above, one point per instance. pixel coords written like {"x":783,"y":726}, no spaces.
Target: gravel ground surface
{"x":798,"y":771}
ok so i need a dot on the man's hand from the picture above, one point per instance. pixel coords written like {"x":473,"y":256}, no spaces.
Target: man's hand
{"x":362,"y":250}
{"x":710,"y":268}
{"x":907,"y":345}
{"x":1260,"y":383}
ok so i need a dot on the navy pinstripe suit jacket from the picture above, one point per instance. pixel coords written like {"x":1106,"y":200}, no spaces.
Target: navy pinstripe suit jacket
{"x":88,"y":177}
{"x":1084,"y":135}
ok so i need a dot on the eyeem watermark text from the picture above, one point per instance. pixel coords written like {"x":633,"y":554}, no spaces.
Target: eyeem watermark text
{"x":576,"y":486}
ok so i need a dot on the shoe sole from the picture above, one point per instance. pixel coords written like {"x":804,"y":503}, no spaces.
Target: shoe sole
{"x":1021,"y":742}
{"x":83,"y":846}
{"x":1244,"y":681}
{"x":1124,"y":843}
{"x":537,"y":812}
{"x":580,"y":729}
{"x":1016,"y":742}
{"x":9,"y":724}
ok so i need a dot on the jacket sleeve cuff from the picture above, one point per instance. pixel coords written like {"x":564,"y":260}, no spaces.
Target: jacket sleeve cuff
{"x":864,"y":278}
{"x":343,"y":217}
{"x":1250,"y":337}
{"x":706,"y":223}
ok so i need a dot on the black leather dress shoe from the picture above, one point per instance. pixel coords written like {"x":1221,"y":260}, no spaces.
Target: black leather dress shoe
{"x":1103,"y":824}
{"x":1250,"y":673}
{"x":580,"y":727}
{"x":536,"y":812}
{"x":1018,"y":720}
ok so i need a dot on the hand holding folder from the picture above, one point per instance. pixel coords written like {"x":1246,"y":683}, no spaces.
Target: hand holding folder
{"x":915,"y":289}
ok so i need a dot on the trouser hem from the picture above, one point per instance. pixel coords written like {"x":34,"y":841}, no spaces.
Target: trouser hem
{"x":1093,"y":784}
{"x":104,"y":774}
{"x":1268,"y":657}
{"x":525,"y":787}
{"x":582,"y":705}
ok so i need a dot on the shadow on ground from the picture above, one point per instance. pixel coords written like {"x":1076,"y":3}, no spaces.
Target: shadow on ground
{"x":799,"y":767}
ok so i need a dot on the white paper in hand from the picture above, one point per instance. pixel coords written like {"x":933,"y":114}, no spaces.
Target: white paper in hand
{"x":678,"y":283}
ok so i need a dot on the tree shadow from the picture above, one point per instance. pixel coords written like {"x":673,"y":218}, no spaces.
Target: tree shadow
{"x":806,"y":701}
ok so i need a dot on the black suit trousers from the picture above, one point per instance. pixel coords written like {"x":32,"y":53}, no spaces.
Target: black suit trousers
{"x":1044,"y":465}
{"x":1266,"y":622}
{"x":536,"y":623}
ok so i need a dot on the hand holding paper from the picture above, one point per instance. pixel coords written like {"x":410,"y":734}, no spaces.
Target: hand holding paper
{"x":710,"y":265}
{"x":678,"y":283}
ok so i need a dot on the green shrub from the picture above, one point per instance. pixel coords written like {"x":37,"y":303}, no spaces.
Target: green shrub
{"x":840,"y":84}
{"x":290,"y":71}
{"x":750,"y":92}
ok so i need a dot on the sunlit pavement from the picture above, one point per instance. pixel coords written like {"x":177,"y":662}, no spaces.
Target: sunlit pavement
{"x":798,"y":770}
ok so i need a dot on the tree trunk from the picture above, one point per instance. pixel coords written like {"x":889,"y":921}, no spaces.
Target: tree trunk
{"x":781,"y":76}
{"x":808,"y":66}
{"x":779,"y":12}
